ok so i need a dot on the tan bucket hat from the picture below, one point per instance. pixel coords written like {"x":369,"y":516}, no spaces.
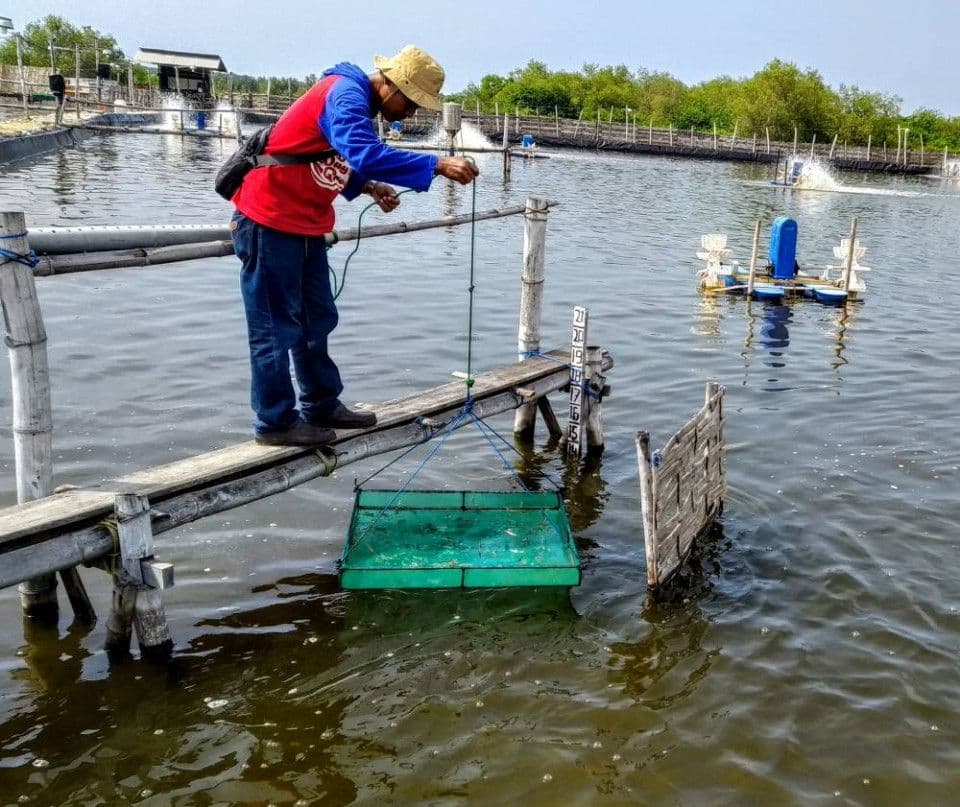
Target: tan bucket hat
{"x":417,"y":75}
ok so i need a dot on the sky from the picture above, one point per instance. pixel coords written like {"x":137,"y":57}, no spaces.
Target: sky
{"x":905,"y":49}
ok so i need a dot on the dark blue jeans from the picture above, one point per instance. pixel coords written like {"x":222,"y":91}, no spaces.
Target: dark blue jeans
{"x":285,"y":283}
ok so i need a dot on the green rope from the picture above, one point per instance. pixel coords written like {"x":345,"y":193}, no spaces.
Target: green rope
{"x":473,"y":231}
{"x":339,"y":283}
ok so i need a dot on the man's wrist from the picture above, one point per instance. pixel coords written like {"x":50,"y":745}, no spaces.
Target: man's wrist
{"x":369,"y":186}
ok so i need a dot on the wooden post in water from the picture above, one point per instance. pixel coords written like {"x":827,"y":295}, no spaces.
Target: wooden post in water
{"x":136,"y":599}
{"x":531,"y":301}
{"x":269,"y":88}
{"x":32,"y":414}
{"x":693,"y":143}
{"x":944,"y":160}
{"x":506,"y":147}
{"x":556,"y":119}
{"x":848,"y":268}
{"x":648,"y":505}
{"x":23,"y":83}
{"x":833,"y":145}
{"x":813,"y":145}
{"x":30,"y":390}
{"x":592,"y":397}
{"x":899,"y":139}
{"x":921,"y":149}
{"x":130,"y":83}
{"x":753,"y":258}
{"x":754,"y":149}
{"x":496,"y":109}
{"x":715,"y":145}
{"x":733,"y":143}
{"x":516,"y":117}
{"x":869,"y":143}
{"x":796,"y":134}
{"x":768,"y":139}
{"x":906,"y":152}
{"x":671,"y":134}
{"x":76,"y":80}
{"x":577,"y":127}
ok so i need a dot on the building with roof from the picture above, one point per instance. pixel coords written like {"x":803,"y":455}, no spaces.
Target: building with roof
{"x":188,"y":74}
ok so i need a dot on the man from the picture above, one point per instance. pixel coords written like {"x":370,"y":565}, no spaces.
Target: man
{"x":284,"y":212}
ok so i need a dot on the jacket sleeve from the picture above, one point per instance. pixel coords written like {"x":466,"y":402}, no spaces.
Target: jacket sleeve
{"x":345,"y":123}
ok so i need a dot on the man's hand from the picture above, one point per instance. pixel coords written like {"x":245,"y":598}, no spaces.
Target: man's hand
{"x":384,"y":195}
{"x":458,"y":169}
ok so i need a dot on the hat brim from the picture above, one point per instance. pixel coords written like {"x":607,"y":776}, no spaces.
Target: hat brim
{"x":422,"y":99}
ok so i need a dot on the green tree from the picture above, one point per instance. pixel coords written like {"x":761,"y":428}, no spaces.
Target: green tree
{"x":36,"y":46}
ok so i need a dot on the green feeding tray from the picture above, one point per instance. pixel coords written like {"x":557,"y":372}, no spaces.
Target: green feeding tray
{"x":442,"y":539}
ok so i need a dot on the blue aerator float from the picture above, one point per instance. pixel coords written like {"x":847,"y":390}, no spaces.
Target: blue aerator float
{"x":781,"y":276}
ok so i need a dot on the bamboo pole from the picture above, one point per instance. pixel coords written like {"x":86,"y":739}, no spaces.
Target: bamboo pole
{"x":813,"y":145}
{"x":796,"y":134}
{"x":579,"y":121}
{"x":906,"y":152}
{"x":506,"y":147}
{"x":650,"y":132}
{"x":899,"y":140}
{"x":921,"y":149}
{"x":556,"y":118}
{"x":26,"y":340}
{"x":671,"y":135}
{"x":848,"y":268}
{"x":945,"y":160}
{"x":869,"y":144}
{"x":648,"y":505}
{"x":23,"y":83}
{"x":531,"y":301}
{"x":753,"y":258}
{"x":83,"y":251}
{"x":76,"y":86}
{"x":733,"y":143}
{"x":833,"y":145}
{"x":715,"y":145}
{"x":767,"y":129}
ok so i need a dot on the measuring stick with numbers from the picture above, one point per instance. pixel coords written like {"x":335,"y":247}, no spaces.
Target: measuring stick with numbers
{"x":578,"y":357}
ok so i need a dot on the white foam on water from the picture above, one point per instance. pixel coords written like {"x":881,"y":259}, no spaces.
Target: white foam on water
{"x":469,"y":137}
{"x":816,"y":176}
{"x":177,"y":113}
{"x":224,"y":119}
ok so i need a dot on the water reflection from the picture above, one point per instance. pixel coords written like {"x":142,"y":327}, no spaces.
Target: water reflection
{"x":678,"y":629}
{"x":246,"y":701}
{"x":584,"y":488}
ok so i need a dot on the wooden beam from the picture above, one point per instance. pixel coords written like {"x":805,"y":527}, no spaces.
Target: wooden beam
{"x":200,"y":485}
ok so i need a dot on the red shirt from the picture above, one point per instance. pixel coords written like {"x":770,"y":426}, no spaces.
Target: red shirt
{"x":296,"y":199}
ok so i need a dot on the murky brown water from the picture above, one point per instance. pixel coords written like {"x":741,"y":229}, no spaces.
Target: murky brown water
{"x":813,"y":658}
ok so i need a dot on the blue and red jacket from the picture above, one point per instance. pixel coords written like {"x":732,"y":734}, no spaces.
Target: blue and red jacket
{"x":334,"y":114}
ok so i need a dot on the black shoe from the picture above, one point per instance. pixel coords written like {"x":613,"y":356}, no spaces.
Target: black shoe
{"x":300,"y":433}
{"x":343,"y":418}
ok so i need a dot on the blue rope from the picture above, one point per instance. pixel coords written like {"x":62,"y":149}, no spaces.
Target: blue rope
{"x":506,"y":464}
{"x":557,"y":485}
{"x":449,"y":428}
{"x":30,"y":259}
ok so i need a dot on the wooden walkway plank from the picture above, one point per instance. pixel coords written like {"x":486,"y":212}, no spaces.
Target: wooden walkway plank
{"x":76,"y":509}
